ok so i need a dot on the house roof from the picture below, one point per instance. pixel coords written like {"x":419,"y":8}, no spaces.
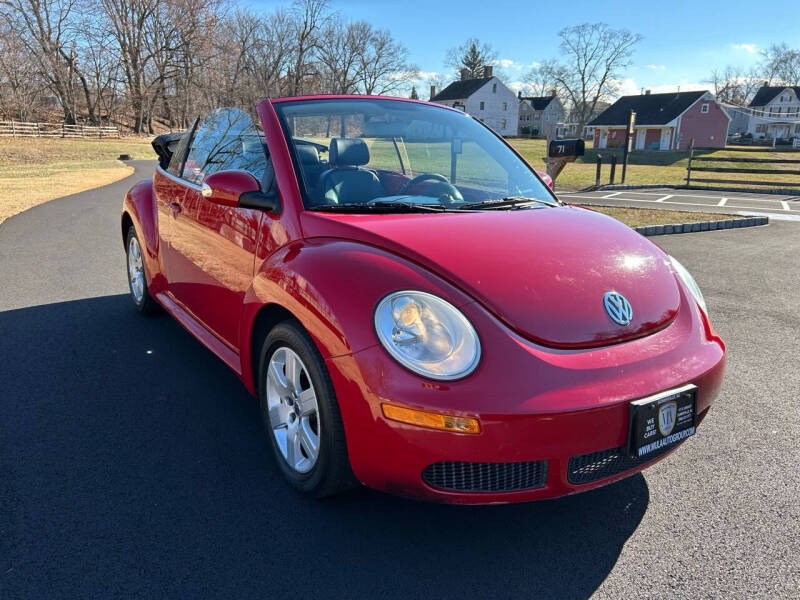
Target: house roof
{"x":461,"y":89}
{"x":539,"y":102}
{"x":767,"y":93}
{"x":651,"y":109}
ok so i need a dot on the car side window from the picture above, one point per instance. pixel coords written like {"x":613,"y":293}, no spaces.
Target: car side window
{"x":226,"y":139}
{"x":176,"y":160}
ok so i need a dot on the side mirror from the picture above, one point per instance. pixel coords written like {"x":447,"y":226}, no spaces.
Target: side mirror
{"x":238,"y":189}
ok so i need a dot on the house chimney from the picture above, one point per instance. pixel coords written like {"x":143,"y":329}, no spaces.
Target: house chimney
{"x":433,"y":91}
{"x":519,"y":95}
{"x":553,"y":92}
{"x":487,"y":70}
{"x":464,"y":74}
{"x":647,"y":92}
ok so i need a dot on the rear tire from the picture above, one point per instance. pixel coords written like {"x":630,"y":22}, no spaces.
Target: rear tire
{"x":301,"y":415}
{"x":137,"y":280}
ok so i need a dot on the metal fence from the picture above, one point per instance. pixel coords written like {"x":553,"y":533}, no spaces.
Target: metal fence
{"x":22,"y":129}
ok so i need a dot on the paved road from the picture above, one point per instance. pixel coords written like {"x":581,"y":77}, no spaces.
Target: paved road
{"x":132,"y":461}
{"x":784,"y":208}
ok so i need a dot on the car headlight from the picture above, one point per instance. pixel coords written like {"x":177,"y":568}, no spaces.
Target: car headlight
{"x":427,"y":335}
{"x":690,"y":283}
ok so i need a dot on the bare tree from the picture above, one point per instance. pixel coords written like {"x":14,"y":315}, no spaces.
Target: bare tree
{"x":384,"y":67}
{"x":780,"y":65}
{"x":45,"y":28}
{"x":733,"y":85}
{"x":340,"y":52}
{"x":310,"y":16}
{"x":20,"y":77}
{"x":594,"y":57}
{"x":540,"y":80}
{"x":472,"y":55}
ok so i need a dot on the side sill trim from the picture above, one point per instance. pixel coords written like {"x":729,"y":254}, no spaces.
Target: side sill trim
{"x":203,"y":335}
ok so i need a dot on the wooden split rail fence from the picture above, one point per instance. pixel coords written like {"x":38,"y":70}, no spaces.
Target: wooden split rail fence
{"x":692,"y":167}
{"x":21,"y":129}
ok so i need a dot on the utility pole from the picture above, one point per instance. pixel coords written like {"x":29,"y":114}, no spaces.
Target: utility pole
{"x":628,"y":134}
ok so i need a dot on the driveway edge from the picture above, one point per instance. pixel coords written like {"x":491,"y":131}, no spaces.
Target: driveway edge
{"x":651,"y":230}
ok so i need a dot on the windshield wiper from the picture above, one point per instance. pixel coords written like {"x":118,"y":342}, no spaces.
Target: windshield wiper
{"x":381,"y":207}
{"x":509,"y":202}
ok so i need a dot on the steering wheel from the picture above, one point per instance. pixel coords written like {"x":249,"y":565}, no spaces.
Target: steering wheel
{"x":447,"y":192}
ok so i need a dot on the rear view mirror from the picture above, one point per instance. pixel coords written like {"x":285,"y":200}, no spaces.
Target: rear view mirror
{"x":238,"y":189}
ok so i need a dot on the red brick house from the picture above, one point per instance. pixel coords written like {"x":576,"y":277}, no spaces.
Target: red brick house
{"x":664,"y":122}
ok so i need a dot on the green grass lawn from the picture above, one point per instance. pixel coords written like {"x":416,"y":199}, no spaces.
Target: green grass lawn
{"x":647,"y":168}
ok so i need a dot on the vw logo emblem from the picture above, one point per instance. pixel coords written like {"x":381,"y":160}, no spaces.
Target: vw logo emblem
{"x":618,"y":308}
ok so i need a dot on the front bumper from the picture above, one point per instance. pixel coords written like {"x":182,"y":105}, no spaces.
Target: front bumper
{"x":534,"y":404}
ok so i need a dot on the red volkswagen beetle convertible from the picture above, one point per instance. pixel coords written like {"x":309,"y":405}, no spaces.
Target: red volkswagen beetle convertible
{"x":414,"y":308}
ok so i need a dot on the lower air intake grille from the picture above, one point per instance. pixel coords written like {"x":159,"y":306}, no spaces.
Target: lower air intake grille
{"x":606,"y":463}
{"x":486,"y":477}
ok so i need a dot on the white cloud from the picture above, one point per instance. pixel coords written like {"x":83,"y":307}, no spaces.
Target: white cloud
{"x":506,"y":63}
{"x":425,"y":75}
{"x":656,"y":67}
{"x":751,"y":48}
{"x":629,"y":87}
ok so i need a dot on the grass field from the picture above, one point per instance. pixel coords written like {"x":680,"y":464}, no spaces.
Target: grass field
{"x":640,"y":217}
{"x":662,"y":168}
{"x":35,"y":170}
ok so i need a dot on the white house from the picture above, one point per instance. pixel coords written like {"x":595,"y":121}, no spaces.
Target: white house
{"x":486,"y":98}
{"x":775,"y":112}
{"x":537,"y":113}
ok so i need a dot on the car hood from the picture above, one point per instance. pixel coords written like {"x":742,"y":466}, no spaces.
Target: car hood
{"x":544,"y":272}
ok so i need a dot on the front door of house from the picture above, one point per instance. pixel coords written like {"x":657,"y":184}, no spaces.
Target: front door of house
{"x":603,"y":139}
{"x":640,"y":136}
{"x":666,"y":137}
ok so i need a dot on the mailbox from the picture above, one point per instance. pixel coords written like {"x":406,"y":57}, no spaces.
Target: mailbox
{"x":565,"y":148}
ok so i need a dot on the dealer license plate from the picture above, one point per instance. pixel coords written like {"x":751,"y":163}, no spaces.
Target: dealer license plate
{"x":661,"y":420}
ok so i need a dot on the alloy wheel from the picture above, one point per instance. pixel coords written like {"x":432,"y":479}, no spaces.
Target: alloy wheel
{"x":136,"y":270}
{"x":293,"y":410}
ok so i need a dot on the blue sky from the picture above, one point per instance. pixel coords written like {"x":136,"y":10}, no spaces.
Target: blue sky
{"x":683,"y":40}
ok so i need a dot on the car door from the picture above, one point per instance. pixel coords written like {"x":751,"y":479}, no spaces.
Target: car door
{"x":169,"y":191}
{"x":213,"y":245}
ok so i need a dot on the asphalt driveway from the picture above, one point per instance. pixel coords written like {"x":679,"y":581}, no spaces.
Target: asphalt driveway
{"x":132,"y":461}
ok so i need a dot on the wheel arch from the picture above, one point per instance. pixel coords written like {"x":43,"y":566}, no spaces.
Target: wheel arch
{"x":139,"y":211}
{"x":267,"y":317}
{"x":331,"y":288}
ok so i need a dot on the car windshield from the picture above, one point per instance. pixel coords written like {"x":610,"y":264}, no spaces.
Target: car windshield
{"x":393,"y":155}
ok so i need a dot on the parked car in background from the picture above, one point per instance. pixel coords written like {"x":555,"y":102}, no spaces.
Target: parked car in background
{"x":413,"y":307}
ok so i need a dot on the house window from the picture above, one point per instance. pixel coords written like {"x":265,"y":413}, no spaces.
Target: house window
{"x":704,"y":108}
{"x":505,"y":105}
{"x":481,"y":105}
{"x":797,"y":128}
{"x":761,"y":129}
{"x":502,"y":124}
{"x":494,"y":88}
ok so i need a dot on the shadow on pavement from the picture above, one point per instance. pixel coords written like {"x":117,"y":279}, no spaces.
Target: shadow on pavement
{"x":132,"y":462}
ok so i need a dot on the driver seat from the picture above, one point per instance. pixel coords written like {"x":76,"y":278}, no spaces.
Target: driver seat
{"x":348,"y":182}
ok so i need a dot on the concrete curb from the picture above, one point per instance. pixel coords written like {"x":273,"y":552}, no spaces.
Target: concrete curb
{"x":651,"y":230}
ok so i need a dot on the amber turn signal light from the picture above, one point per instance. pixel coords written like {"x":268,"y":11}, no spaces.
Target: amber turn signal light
{"x":431,"y":420}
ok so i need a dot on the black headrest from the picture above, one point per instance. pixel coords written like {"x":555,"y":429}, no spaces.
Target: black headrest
{"x":307,"y":154}
{"x":348,"y":152}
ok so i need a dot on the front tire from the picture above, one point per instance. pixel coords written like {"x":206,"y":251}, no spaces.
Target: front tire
{"x":301,"y":415}
{"x":137,"y":280}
